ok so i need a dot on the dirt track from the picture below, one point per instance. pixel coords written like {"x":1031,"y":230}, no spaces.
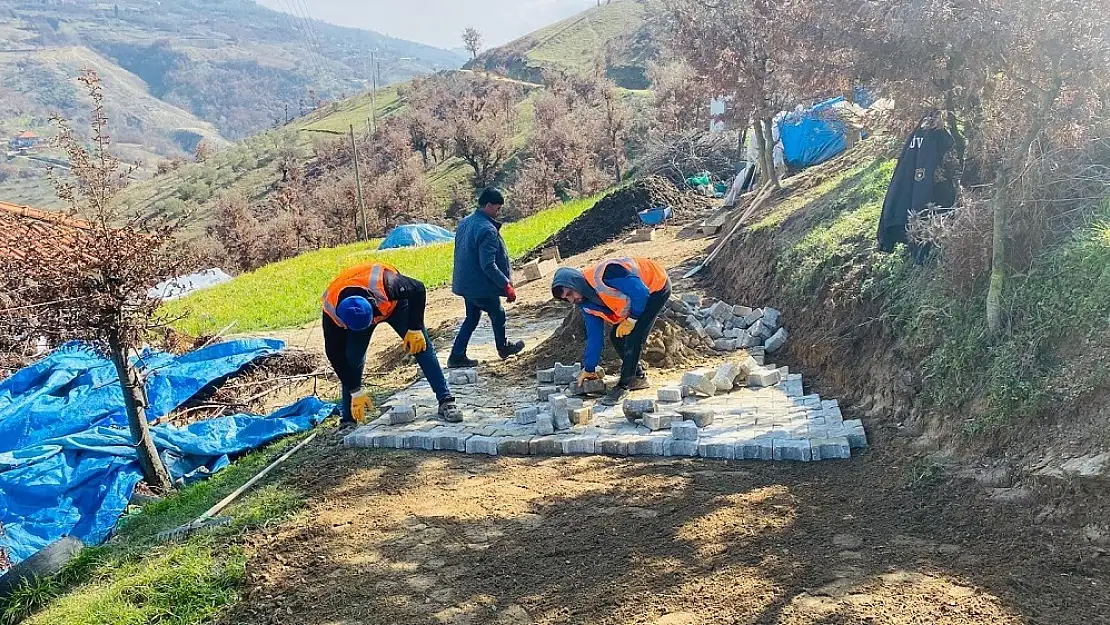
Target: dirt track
{"x":414,"y":537}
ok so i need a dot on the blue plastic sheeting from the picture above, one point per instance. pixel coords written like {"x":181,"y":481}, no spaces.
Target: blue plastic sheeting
{"x":414,"y":235}
{"x":67,"y":465}
{"x":815,"y":135}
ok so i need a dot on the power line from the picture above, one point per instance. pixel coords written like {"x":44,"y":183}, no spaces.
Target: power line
{"x":293,"y":22}
{"x":310,"y":27}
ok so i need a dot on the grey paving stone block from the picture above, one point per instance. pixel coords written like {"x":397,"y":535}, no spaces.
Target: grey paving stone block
{"x":791,"y":449}
{"x":792,"y":388}
{"x":557,"y":401}
{"x":482,"y":445}
{"x":561,"y":419}
{"x":422,"y":440}
{"x":567,"y":374}
{"x":764,"y":377}
{"x":741,"y":311}
{"x":580,"y":444}
{"x":714,"y":329}
{"x":400,"y":414}
{"x":724,"y":378}
{"x":753,"y":316}
{"x":830,"y":448}
{"x":548,"y":445}
{"x":636,"y":408}
{"x":358,"y":439}
{"x":582,"y":416}
{"x":526,"y":415}
{"x":700,"y":381}
{"x":669,"y":394}
{"x":660,"y":420}
{"x":772,"y":317}
{"x":748,"y":341}
{"x":545,"y":424}
{"x":811,"y":401}
{"x":735,"y":334}
{"x":755,"y":449}
{"x":645,"y":445}
{"x":678,"y":306}
{"x":591,"y":387}
{"x":725,"y":345}
{"x":514,"y":445}
{"x":462,"y":377}
{"x":680,"y":448}
{"x":545,"y":392}
{"x":684,"y":430}
{"x":721,"y":311}
{"x":716,"y":448}
{"x":450,"y":441}
{"x":701,"y":416}
{"x":829,"y":403}
{"x":611,"y":445}
{"x":776,"y":341}
{"x":545,"y":376}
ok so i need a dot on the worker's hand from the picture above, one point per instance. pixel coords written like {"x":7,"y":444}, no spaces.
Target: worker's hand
{"x":415,"y":342}
{"x":361,"y":405}
{"x":510,"y":293}
{"x":625,"y":327}
{"x":587,"y":375}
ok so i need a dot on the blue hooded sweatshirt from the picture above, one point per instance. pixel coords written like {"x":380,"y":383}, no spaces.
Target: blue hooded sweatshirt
{"x":616,"y":277}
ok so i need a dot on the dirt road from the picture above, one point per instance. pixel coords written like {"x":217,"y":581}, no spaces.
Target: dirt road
{"x":417,"y":537}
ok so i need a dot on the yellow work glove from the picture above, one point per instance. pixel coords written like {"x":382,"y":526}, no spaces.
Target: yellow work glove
{"x":625,"y":328}
{"x":587,"y":375}
{"x":415,"y":342}
{"x":361,"y":405}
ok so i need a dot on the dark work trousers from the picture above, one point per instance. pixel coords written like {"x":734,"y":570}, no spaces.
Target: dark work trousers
{"x":474,"y":309}
{"x":631,"y":346}
{"x":346,"y":351}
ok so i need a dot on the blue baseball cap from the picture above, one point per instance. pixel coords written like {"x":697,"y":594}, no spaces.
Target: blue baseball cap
{"x":356,"y":312}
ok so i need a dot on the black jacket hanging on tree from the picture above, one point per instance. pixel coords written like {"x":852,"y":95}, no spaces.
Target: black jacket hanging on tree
{"x":917,"y":182}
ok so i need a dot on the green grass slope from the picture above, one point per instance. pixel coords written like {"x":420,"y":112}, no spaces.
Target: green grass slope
{"x":575,"y":44}
{"x":255,"y":301}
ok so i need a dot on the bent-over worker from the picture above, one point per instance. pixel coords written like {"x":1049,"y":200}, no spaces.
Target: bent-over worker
{"x":626,"y":292}
{"x":355,"y":302}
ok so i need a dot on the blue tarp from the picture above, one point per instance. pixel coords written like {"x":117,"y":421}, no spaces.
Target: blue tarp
{"x":814,"y":135}
{"x":414,"y":235}
{"x":67,"y":465}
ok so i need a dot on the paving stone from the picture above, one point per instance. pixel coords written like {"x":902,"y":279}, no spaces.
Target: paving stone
{"x":557,"y":401}
{"x":791,"y":449}
{"x":772,"y":317}
{"x":691,"y":300}
{"x":680,"y":448}
{"x":545,"y":376}
{"x":645,"y":446}
{"x":450,"y":441}
{"x":695,"y":325}
{"x":716,"y":448}
{"x":776,"y":341}
{"x":514,"y":445}
{"x":545,"y":424}
{"x":591,"y":387}
{"x":669,"y":394}
{"x":548,"y":445}
{"x":526,"y":415}
{"x":830,"y":448}
{"x":753,"y":316}
{"x":741,"y":311}
{"x":735,"y":334}
{"x":764,"y":377}
{"x":721,"y":311}
{"x":660,"y":420}
{"x":462,"y":376}
{"x":359,"y":438}
{"x":580,"y":444}
{"x":792,"y":388}
{"x":567,"y":374}
{"x":829,"y":403}
{"x":421,"y":440}
{"x":545,"y":392}
{"x":684,"y":430}
{"x":400,"y":414}
{"x":714,"y":330}
{"x":636,"y":408}
{"x":701,"y":416}
{"x":726,"y":345}
{"x":482,"y":445}
{"x":582,"y":416}
{"x":700,"y":381}
{"x":561,"y":419}
{"x":755,"y":449}
{"x":748,"y":341}
{"x":611,"y":445}
{"x":678,"y":306}
{"x":724,"y":378}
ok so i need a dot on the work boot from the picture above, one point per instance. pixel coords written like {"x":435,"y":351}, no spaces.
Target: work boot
{"x":614,"y":397}
{"x":510,"y":349}
{"x":461,"y":362}
{"x":449,"y":411}
{"x":639,"y":383}
{"x":346,"y":425}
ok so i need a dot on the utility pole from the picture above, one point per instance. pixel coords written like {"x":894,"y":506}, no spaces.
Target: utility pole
{"x":358,"y":185}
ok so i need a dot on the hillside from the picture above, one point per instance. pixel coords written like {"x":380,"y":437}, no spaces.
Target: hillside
{"x":178,"y":73}
{"x":618,"y":30}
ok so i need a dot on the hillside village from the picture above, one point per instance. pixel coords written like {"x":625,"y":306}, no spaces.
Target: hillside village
{"x":699,"y":313}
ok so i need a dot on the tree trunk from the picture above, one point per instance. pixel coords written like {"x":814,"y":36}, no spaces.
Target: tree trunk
{"x":769,"y":150}
{"x":761,"y":151}
{"x":998,"y":253}
{"x":134,"y":401}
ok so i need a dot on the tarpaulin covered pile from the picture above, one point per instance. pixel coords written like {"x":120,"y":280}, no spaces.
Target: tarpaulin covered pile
{"x":414,"y":235}
{"x":67,"y":464}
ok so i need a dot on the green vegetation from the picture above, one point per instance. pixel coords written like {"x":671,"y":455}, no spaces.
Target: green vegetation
{"x":287,"y":294}
{"x":133,"y":579}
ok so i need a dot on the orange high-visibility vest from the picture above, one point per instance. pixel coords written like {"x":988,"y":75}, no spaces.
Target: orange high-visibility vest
{"x":650,"y":272}
{"x":369,"y":277}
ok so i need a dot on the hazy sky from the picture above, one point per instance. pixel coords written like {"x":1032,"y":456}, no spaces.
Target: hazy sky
{"x":440,"y":22}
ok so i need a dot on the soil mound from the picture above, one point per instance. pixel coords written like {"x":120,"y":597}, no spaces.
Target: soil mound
{"x":617,"y":212}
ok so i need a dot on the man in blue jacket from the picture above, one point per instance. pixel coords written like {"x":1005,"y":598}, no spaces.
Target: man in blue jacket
{"x":482,"y":276}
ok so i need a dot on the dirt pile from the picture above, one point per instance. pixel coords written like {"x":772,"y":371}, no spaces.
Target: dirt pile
{"x":616,"y":212}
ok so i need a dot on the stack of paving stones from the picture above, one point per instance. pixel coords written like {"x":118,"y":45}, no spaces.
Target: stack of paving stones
{"x":740,"y":410}
{"x":729,"y":328}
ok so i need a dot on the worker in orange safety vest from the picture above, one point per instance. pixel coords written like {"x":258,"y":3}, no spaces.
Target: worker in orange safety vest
{"x":355,"y":302}
{"x":628,"y":293}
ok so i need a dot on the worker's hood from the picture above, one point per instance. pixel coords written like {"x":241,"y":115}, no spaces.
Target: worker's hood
{"x":570,"y":278}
